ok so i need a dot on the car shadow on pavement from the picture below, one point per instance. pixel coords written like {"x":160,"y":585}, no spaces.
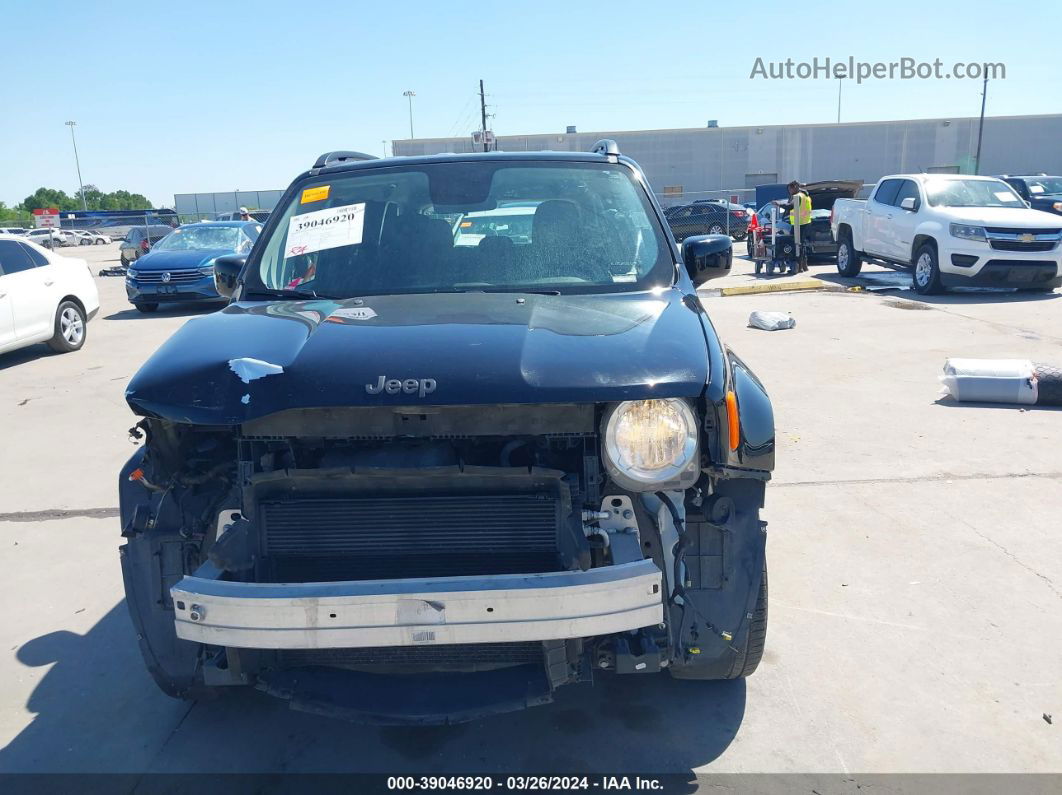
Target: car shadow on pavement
{"x":28,"y":354}
{"x":174,"y":310}
{"x":957,"y":296}
{"x":97,"y":710}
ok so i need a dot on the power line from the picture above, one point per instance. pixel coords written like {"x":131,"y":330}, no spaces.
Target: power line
{"x":461,"y":115}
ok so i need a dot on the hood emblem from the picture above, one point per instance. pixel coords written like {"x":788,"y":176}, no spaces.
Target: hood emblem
{"x":410,"y":386}
{"x":1028,"y":238}
{"x":166,"y":276}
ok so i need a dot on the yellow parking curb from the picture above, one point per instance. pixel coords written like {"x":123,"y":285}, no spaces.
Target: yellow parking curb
{"x":774,"y":287}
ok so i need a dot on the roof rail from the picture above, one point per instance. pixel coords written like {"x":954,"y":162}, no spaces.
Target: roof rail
{"x":606,"y":146}
{"x":340,"y":156}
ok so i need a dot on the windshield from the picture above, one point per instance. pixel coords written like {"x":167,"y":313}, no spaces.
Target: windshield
{"x":200,"y":237}
{"x":1041,"y":185}
{"x":465,"y":226}
{"x":971,"y":193}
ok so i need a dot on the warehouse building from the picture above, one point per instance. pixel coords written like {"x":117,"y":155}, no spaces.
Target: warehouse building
{"x":685,"y":164}
{"x":208,"y":206}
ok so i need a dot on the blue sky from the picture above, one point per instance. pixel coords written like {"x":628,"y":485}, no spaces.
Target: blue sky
{"x":175,"y":97}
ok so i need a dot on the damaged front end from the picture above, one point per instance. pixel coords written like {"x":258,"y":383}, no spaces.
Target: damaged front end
{"x":435,"y":565}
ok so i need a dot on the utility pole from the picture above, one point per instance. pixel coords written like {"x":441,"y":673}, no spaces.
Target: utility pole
{"x":384,"y":142}
{"x":839,"y":84}
{"x":77,"y":162}
{"x":409,"y":95}
{"x":483,"y":115}
{"x":981,"y":127}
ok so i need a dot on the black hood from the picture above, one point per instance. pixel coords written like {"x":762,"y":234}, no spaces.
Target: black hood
{"x":476,"y":348}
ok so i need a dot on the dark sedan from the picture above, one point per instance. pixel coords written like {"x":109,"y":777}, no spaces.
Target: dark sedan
{"x":707,"y":218}
{"x":180,"y":267}
{"x":1039,"y":190}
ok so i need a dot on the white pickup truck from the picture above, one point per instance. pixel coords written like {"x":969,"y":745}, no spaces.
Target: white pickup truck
{"x":950,"y":230}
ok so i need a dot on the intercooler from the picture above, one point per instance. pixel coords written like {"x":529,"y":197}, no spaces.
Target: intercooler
{"x":308,"y":538}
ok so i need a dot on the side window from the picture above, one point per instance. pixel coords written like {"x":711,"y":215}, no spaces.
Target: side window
{"x":35,"y":256}
{"x":1020,"y":186}
{"x":13,"y":257}
{"x":887,"y":190}
{"x":908,"y":190}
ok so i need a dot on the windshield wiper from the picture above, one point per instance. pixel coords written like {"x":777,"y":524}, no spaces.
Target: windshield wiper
{"x":298,"y":294}
{"x":516,"y":292}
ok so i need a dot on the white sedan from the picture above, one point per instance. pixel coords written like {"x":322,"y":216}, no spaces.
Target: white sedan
{"x":43,"y":297}
{"x":89,"y":238}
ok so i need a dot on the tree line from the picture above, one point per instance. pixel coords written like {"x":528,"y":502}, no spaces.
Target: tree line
{"x":54,"y":197}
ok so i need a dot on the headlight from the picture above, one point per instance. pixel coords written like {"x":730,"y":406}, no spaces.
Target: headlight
{"x":207,"y":270}
{"x":651,"y":445}
{"x":967,"y":232}
{"x":1057,"y":207}
{"x":132,"y":273}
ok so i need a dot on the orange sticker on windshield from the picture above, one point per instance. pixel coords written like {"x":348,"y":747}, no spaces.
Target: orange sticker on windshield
{"x":315,"y":194}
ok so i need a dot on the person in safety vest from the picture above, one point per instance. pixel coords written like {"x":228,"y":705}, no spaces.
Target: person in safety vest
{"x":799,"y":207}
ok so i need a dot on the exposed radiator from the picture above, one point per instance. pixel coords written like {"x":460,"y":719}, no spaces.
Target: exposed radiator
{"x":321,"y":539}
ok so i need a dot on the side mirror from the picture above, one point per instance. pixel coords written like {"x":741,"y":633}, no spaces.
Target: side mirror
{"x":910,"y":203}
{"x":227,"y":272}
{"x":707,"y":257}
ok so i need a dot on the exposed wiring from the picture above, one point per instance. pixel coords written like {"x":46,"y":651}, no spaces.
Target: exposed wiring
{"x":679,"y":551}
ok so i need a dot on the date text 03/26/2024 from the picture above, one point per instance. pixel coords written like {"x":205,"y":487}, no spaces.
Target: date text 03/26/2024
{"x":525,"y":783}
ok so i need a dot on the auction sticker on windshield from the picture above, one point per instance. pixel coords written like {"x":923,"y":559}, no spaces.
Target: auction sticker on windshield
{"x":324,"y":229}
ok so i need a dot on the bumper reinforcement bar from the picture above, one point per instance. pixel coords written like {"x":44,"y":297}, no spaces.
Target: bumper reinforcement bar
{"x":412,"y":612}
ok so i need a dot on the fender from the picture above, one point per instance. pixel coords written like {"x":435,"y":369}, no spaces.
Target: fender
{"x":754,"y":456}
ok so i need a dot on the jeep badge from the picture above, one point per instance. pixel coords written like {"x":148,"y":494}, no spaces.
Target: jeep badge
{"x":392,"y":386}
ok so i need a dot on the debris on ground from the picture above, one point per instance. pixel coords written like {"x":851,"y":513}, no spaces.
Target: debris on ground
{"x":1017,"y":381}
{"x":771,"y":321}
{"x":117,"y":270}
{"x":1047,"y":717}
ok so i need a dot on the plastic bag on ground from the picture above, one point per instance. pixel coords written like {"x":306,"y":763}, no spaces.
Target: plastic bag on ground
{"x":771,"y":321}
{"x":990,"y":380}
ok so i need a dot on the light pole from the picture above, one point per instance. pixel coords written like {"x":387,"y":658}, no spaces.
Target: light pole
{"x":409,"y":95}
{"x":77,"y":162}
{"x":981,"y":127}
{"x":384,"y":142}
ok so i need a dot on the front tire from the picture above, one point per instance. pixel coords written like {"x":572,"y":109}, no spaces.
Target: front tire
{"x":747,"y":660}
{"x":849,"y":263}
{"x":716,"y":229}
{"x":925,"y":278}
{"x":70,"y":328}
